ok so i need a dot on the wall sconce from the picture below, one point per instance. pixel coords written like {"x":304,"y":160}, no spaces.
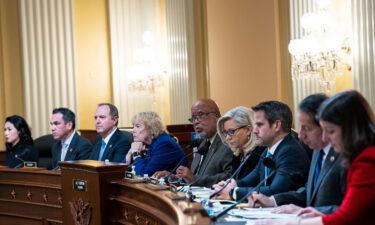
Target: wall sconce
{"x":320,"y":53}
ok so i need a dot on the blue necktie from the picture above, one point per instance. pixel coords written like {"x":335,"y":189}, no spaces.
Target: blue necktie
{"x":266,"y":169}
{"x":318,"y":166}
{"x":102,"y":149}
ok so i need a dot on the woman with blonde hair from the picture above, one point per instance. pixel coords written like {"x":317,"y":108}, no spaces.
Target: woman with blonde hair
{"x":235,"y":129}
{"x":162,"y":151}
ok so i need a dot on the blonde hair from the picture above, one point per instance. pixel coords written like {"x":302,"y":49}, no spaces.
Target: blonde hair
{"x":242,"y":116}
{"x":152,"y":122}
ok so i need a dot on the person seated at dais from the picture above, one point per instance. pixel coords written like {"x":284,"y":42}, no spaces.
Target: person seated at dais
{"x":235,"y":130}
{"x":19,"y":143}
{"x":162,"y":151}
{"x":348,"y":124}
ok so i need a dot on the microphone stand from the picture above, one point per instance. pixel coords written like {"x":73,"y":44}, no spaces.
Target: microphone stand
{"x":231,"y":177}
{"x":216,"y":217}
{"x":22,"y":161}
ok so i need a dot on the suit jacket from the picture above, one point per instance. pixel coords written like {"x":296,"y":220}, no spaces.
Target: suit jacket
{"x":217,"y":164}
{"x":291,"y":165}
{"x":79,"y":149}
{"x":116,"y":148}
{"x":164,"y":153}
{"x":250,"y":163}
{"x":329,"y":190}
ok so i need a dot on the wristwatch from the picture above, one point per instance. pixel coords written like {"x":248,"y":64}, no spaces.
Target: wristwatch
{"x":231,"y":193}
{"x":135,"y":154}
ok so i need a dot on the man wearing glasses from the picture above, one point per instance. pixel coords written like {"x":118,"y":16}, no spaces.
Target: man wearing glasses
{"x":213,"y":165}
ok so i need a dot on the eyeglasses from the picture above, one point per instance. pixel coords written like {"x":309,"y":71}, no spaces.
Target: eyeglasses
{"x":201,"y":116}
{"x":231,"y":132}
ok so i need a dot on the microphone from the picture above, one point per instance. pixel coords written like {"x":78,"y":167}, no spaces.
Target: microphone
{"x":20,"y":164}
{"x":193,"y":143}
{"x":268,"y":162}
{"x":238,"y":170}
{"x":231,"y":177}
{"x":178,"y":164}
{"x":20,"y":157}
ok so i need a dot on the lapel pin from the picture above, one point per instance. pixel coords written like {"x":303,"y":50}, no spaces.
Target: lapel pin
{"x":332,"y":158}
{"x":110,"y":146}
{"x":70,"y":150}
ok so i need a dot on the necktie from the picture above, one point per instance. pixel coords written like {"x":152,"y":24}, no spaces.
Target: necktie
{"x":266,"y":169}
{"x":318,"y":166}
{"x":64,"y":150}
{"x":203,"y":151}
{"x":101,"y":153}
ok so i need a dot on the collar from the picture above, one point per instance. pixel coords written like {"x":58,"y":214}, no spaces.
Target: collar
{"x":70,"y":138}
{"x":106,"y":140}
{"x":212,"y":138}
{"x":273,"y":148}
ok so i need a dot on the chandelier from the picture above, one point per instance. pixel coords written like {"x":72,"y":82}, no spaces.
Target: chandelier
{"x":320,"y":54}
{"x":146,"y":73}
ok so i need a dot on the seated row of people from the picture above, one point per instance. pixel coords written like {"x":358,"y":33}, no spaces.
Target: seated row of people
{"x":244,"y":137}
{"x":347,"y":123}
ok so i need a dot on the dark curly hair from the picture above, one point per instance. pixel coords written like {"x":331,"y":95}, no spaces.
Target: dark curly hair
{"x":350,"y":111}
{"x":21,"y":125}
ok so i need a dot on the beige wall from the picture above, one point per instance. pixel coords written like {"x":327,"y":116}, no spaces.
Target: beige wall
{"x":11,"y":82}
{"x":91,"y":36}
{"x":244,"y":52}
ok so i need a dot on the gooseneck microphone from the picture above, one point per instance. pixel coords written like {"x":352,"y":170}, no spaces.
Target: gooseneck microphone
{"x":231,"y":177}
{"x":20,"y":157}
{"x":269,"y":162}
{"x":178,"y":164}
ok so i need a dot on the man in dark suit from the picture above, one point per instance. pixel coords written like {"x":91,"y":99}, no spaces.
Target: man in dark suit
{"x":326,"y":183}
{"x":273,"y":121}
{"x":114,"y":144}
{"x":70,"y":146}
{"x":215,"y":165}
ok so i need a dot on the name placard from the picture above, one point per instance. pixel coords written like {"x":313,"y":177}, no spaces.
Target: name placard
{"x":30,"y":164}
{"x":129,"y":175}
{"x":173,"y":188}
{"x":80,"y":185}
{"x":154,"y":181}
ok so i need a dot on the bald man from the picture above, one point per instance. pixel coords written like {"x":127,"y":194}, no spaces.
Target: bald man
{"x":216,"y":165}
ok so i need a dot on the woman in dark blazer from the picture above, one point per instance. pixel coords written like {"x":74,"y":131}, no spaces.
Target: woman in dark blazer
{"x":19,"y":143}
{"x":235,"y":130}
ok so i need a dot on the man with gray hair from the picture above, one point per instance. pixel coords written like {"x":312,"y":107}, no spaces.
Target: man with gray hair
{"x":114,"y":144}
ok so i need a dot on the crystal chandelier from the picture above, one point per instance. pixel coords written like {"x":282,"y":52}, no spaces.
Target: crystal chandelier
{"x":147,"y":73}
{"x":320,"y":54}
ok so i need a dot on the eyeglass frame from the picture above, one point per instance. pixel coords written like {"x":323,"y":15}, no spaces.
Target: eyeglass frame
{"x":232,"y":132}
{"x":201,"y":116}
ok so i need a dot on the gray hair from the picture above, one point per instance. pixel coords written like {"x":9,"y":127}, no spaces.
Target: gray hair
{"x":242,"y":116}
{"x":152,"y":122}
